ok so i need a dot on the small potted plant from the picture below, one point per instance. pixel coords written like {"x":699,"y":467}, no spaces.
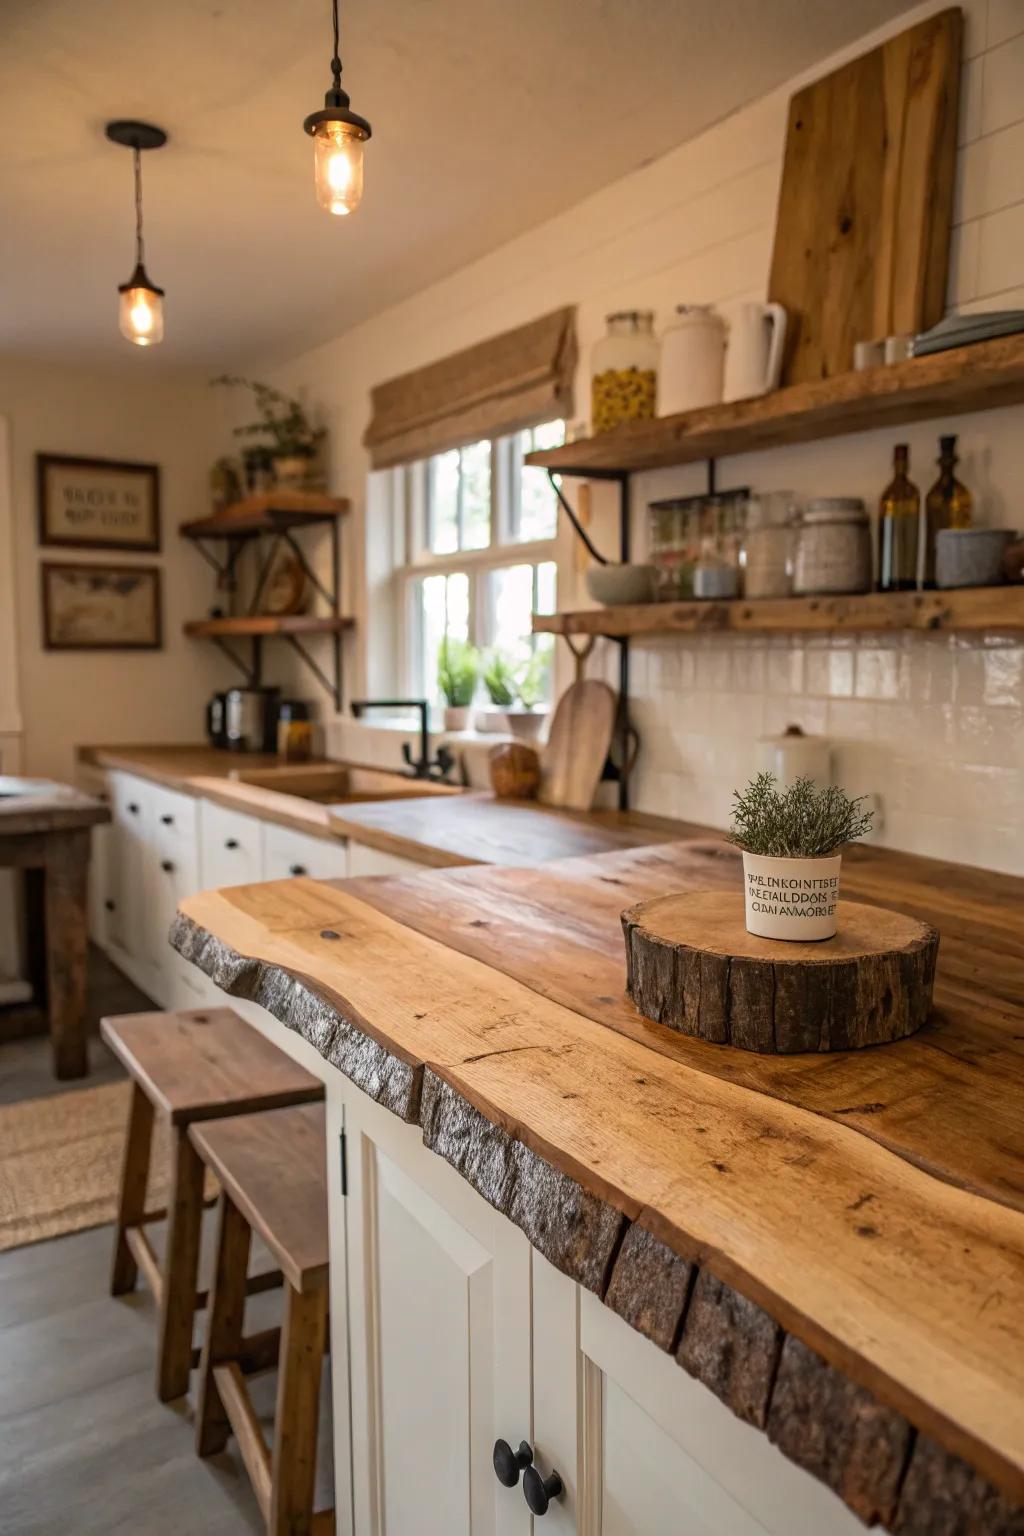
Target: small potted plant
{"x":458,"y":667}
{"x":292,"y":442}
{"x":498,"y":674}
{"x":531,"y":687}
{"x":792,"y":841}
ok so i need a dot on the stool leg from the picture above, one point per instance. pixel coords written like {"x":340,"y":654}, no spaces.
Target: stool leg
{"x":181,"y":1268}
{"x":225,"y":1319}
{"x":293,"y":1469}
{"x":132,"y":1199}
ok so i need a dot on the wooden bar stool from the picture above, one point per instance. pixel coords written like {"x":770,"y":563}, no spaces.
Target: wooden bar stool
{"x":188,"y":1067}
{"x":273,"y":1178}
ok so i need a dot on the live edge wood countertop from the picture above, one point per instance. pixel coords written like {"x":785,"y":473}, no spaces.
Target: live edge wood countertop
{"x":834,"y":1244}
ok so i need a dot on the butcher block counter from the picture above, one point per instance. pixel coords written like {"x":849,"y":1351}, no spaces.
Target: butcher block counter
{"x":833,"y":1244}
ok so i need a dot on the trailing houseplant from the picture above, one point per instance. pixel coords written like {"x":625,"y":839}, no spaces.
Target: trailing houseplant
{"x":291,"y":440}
{"x":792,"y":841}
{"x":458,"y":667}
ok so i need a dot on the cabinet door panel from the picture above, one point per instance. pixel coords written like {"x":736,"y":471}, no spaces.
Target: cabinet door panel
{"x":287,"y":853}
{"x":374,"y":861}
{"x":439,"y":1294}
{"x":231,"y":847}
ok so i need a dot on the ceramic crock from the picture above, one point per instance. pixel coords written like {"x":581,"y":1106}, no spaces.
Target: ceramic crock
{"x":791,"y":899}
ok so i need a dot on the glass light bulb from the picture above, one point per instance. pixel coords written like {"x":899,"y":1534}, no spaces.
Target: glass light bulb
{"x":141,"y":316}
{"x":338,"y":166}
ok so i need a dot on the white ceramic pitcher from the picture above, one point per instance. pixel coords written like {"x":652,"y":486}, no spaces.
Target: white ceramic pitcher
{"x":692,"y":357}
{"x":753,"y":351}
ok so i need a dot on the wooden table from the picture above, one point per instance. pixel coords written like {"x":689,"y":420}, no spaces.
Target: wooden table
{"x":855,"y":1220}
{"x":44,"y":829}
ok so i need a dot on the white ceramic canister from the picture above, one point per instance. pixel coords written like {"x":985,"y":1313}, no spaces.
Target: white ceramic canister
{"x":793,"y":756}
{"x":753,"y":353}
{"x":792,"y":899}
{"x":833,"y":547}
{"x":691,"y":369}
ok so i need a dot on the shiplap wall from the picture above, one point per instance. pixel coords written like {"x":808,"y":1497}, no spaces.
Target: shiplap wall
{"x":934,"y":727}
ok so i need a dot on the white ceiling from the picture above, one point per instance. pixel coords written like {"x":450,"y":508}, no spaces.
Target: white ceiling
{"x":488,"y":115}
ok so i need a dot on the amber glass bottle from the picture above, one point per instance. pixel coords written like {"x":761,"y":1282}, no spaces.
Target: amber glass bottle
{"x":947,"y":505}
{"x":898,"y":527}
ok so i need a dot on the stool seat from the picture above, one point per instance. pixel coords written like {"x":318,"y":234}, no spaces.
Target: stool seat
{"x":206,"y":1062}
{"x":273,"y":1168}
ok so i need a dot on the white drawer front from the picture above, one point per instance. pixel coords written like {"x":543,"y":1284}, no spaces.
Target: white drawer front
{"x":373,"y":861}
{"x":174,"y":818}
{"x":230,"y":847}
{"x":287,"y":854}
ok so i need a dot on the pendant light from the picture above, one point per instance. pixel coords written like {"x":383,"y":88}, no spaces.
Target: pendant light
{"x":141,"y":310}
{"x":338,"y":138}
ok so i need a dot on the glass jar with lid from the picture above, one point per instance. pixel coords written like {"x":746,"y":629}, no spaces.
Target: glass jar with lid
{"x":767,"y":556}
{"x":832,"y":551}
{"x":624,"y":370}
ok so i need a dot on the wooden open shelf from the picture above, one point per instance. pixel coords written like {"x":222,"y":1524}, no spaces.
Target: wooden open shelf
{"x":268,"y":624}
{"x":990,"y":609}
{"x":267,"y":514}
{"x":975,"y":378}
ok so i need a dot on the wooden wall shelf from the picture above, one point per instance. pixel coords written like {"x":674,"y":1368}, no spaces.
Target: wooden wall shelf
{"x":270,"y":513}
{"x":261,"y":624}
{"x":975,"y":378}
{"x":989,"y":609}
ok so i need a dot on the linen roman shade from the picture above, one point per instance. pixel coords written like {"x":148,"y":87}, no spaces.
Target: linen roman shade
{"x":500,"y":385}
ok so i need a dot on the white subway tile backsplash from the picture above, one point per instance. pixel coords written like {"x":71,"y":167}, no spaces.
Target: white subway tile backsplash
{"x":964,"y":256}
{"x":1002,"y":100}
{"x":971,"y":85}
{"x":1005,"y":20}
{"x":990,"y":173}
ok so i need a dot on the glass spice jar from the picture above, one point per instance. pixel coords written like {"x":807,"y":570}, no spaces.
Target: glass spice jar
{"x":624,"y":371}
{"x":832,"y":551}
{"x":767,"y":556}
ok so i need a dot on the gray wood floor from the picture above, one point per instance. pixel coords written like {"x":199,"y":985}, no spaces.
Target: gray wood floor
{"x":85,"y":1447}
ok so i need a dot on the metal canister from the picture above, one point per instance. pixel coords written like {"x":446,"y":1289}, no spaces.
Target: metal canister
{"x":833,"y":547}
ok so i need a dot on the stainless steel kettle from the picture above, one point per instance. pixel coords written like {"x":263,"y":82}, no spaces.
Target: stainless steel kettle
{"x":250,"y":719}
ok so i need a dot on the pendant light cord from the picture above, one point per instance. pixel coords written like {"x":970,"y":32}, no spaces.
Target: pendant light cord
{"x":336,"y":60}
{"x":137,"y":156}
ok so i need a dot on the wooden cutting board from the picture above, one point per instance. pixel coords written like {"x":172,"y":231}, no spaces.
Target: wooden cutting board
{"x":862,"y":237}
{"x":577,"y":745}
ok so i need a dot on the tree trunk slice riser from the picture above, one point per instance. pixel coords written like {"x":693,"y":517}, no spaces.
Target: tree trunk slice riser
{"x":692,"y":965}
{"x":722,"y":1338}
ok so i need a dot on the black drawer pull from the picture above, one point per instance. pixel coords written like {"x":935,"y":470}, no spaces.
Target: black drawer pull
{"x":231,"y":842}
{"x":109,"y":906}
{"x":166,"y":866}
{"x":168,"y":821}
{"x":133,"y":807}
{"x":509,"y":1463}
{"x":539,"y":1491}
{"x":298,"y":869}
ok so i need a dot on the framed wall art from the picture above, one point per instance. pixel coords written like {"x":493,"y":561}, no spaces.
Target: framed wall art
{"x":98,"y":503}
{"x":101,"y":607}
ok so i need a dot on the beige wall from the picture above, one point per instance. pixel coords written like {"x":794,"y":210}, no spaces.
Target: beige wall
{"x":136,"y":413}
{"x":934,"y":727}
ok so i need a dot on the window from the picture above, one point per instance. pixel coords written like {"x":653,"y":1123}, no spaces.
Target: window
{"x":479,"y":534}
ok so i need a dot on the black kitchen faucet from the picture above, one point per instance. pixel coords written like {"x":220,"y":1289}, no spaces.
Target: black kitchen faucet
{"x":423,"y":767}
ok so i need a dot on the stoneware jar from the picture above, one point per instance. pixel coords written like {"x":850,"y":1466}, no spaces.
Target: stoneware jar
{"x":791,"y":899}
{"x":833,"y":547}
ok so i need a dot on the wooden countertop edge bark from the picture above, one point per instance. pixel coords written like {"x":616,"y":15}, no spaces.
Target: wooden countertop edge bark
{"x":840,"y":1420}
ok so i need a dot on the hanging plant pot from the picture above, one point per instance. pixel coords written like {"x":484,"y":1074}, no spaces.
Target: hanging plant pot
{"x":791,"y":899}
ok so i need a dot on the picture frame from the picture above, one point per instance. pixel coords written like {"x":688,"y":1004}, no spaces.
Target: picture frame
{"x":101,"y":607}
{"x":98,"y":503}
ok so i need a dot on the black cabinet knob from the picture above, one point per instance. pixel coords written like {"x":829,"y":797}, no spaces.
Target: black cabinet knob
{"x":231,"y":842}
{"x":539,"y":1491}
{"x":509,"y":1463}
{"x":168,"y":821}
{"x":166,"y":866}
{"x":133,"y":808}
{"x":108,"y":905}
{"x":298,"y":869}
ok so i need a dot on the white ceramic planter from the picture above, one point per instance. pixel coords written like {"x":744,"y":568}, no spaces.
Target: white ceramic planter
{"x":458,"y":717}
{"x":791,"y":898}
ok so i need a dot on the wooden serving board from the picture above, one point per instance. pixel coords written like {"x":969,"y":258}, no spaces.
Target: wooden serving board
{"x":691,"y":964}
{"x":862,"y":237}
{"x":574,"y":755}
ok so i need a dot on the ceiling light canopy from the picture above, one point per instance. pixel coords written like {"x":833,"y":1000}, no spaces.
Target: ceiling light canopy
{"x":141,"y":308}
{"x":338,"y":138}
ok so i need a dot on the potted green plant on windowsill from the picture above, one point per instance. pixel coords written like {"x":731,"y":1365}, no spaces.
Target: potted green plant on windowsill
{"x":458,"y":667}
{"x":527,"y":719}
{"x":292,"y":444}
{"x":792,"y":841}
{"x":498,"y":675}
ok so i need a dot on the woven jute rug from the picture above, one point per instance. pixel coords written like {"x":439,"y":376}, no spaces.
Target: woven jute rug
{"x":60,"y":1163}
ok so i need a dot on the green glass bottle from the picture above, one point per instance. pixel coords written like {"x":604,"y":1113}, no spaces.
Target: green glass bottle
{"x":899,"y":527}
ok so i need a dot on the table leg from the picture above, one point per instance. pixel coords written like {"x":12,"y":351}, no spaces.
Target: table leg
{"x":67,"y":869}
{"x":181,"y":1268}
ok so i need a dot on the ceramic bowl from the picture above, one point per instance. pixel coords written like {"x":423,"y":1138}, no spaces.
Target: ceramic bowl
{"x":614,"y":585}
{"x":971,"y":557}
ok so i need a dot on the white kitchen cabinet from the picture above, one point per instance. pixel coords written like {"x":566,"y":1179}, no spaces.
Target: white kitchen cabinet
{"x":374,"y":861}
{"x":127,"y":916}
{"x":438,"y":1299}
{"x":231,"y":847}
{"x":287,"y":853}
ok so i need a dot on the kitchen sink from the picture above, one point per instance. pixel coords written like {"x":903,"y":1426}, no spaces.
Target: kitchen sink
{"x":340,"y":783}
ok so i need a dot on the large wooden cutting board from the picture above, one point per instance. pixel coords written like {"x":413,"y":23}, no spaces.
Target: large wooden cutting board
{"x":862,"y":238}
{"x":577,"y":745}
